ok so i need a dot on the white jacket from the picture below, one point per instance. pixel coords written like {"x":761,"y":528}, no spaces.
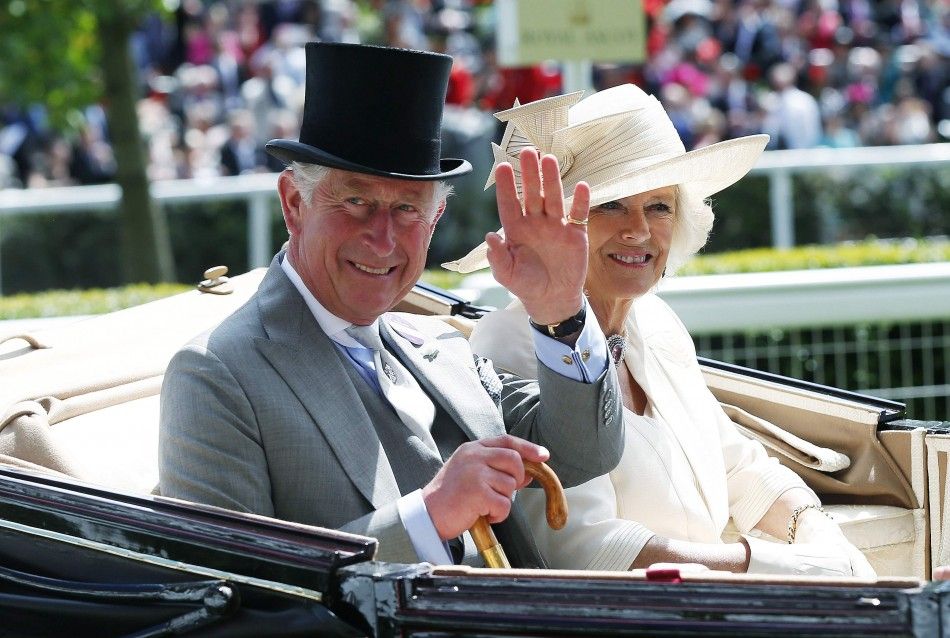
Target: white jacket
{"x":685,"y":469}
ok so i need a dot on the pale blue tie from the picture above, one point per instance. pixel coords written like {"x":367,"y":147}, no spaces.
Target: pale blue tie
{"x":413,"y":406}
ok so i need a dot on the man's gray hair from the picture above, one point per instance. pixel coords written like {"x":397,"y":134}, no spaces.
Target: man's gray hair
{"x":308,"y":176}
{"x":691,"y":226}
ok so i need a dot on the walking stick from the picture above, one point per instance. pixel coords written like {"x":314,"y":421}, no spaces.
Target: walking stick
{"x":556,"y":512}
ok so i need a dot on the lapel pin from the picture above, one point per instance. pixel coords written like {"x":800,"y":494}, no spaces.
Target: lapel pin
{"x":431,"y":355}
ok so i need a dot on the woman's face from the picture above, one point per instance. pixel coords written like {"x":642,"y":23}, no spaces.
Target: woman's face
{"x":629,"y":244}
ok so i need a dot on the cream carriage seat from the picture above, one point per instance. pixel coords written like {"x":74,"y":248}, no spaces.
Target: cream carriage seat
{"x":82,"y":399}
{"x":879,"y":497}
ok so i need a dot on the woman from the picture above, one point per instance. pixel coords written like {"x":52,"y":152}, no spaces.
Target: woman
{"x":686,"y":472}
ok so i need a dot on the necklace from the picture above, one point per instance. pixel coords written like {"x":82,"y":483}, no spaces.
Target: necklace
{"x":616,"y":346}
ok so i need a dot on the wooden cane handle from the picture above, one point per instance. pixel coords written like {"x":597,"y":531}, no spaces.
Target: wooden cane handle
{"x":556,"y":502}
{"x":555,"y":511}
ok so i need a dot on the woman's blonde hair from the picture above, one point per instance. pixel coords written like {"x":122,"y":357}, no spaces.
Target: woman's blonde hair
{"x":692,"y":223}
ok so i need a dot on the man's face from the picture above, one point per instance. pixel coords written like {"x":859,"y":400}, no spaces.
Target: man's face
{"x":360,"y":243}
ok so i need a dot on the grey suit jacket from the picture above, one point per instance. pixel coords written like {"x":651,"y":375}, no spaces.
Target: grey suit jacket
{"x":259,"y":415}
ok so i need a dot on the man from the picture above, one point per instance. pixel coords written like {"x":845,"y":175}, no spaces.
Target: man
{"x":293,"y":408}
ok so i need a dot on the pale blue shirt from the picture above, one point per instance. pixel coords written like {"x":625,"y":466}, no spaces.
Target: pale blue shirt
{"x":585,"y":362}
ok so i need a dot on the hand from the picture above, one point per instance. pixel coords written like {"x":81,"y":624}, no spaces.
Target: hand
{"x":479,"y":479}
{"x":542,"y":259}
{"x":816,"y":527}
{"x":942,"y":573}
{"x":800,"y":559}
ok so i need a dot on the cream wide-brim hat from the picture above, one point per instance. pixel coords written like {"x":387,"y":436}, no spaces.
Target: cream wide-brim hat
{"x":621,"y":142}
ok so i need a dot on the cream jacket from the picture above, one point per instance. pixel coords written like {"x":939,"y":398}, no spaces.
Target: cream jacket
{"x":685,"y":469}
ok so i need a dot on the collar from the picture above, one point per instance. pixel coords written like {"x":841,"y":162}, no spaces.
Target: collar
{"x":333,"y":326}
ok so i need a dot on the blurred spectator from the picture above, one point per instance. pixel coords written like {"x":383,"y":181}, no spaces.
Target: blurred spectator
{"x":241,"y":154}
{"x":838,"y":135}
{"x":711,"y":127}
{"x":404,"y":23}
{"x":793,"y":118}
{"x":749,"y":31}
{"x":91,"y":160}
{"x":730,"y":94}
{"x":57,"y":167}
{"x":678,"y":103}
{"x":17,"y":141}
{"x":8,"y":178}
{"x":911,"y":122}
{"x":283,"y":124}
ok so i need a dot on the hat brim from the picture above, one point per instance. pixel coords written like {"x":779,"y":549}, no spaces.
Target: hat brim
{"x":703,"y":172}
{"x":289,"y":151}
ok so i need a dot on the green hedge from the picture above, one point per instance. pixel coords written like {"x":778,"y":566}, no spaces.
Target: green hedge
{"x":846,"y":255}
{"x":59,"y":303}
{"x":867,"y":253}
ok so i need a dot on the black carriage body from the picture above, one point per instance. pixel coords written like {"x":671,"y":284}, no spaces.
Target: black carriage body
{"x":450,"y":602}
{"x":76,"y":560}
{"x":79,"y":561}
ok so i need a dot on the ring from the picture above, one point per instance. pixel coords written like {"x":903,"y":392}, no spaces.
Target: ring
{"x":576,"y":222}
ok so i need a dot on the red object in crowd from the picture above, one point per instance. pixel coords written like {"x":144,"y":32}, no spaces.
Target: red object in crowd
{"x":656,"y":39}
{"x":686,"y":74}
{"x":525,"y":83}
{"x":461,"y":89}
{"x":708,"y":51}
{"x":653,"y":8}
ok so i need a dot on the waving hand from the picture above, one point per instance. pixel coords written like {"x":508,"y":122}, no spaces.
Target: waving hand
{"x":542,"y":258}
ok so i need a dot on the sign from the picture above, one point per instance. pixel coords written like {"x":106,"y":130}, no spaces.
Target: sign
{"x":532,"y":31}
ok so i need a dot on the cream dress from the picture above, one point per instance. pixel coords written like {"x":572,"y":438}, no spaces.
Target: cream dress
{"x":685,"y":472}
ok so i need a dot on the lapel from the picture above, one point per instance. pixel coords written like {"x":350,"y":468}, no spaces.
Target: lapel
{"x":309,"y":363}
{"x":667,"y":381}
{"x":441,"y":361}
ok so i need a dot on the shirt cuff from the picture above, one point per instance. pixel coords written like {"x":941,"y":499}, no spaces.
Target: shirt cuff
{"x":425,"y":540}
{"x":585,"y":362}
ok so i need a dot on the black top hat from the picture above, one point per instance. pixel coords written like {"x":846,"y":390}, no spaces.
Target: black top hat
{"x":373,"y":110}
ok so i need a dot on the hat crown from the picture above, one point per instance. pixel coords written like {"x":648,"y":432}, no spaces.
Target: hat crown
{"x":612,"y":133}
{"x":375,"y":110}
{"x":621,"y":142}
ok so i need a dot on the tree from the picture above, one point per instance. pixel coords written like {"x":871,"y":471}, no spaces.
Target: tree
{"x":67,"y":54}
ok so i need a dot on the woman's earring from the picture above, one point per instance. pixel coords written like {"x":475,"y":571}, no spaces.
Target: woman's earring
{"x":663,"y":274}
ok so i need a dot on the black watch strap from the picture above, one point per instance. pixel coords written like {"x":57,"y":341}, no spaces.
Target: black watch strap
{"x":564,"y":328}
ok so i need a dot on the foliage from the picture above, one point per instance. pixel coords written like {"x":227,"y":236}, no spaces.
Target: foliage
{"x":832,"y":206}
{"x":51,"y":49}
{"x":64,"y":55}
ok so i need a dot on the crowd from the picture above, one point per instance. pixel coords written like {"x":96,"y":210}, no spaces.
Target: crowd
{"x":223,"y":77}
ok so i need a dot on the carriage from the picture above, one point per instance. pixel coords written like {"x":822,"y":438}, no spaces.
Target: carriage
{"x":88,"y":547}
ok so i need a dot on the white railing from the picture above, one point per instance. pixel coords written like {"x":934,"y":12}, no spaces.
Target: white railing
{"x":781,"y":165}
{"x":259,"y":191}
{"x":710,"y":304}
{"x":882,"y":330}
{"x":802,"y":298}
